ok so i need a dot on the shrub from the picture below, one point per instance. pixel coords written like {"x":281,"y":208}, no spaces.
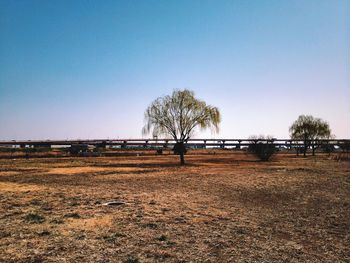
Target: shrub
{"x":34,"y":218}
{"x":262,"y":147}
{"x":72,"y":215}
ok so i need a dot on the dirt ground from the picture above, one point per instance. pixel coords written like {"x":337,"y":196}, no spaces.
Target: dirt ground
{"x":222,"y":207}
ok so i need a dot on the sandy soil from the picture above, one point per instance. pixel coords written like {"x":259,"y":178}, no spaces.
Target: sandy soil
{"x":222,"y":207}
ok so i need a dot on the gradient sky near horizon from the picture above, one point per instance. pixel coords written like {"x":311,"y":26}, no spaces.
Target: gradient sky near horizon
{"x":88,"y":69}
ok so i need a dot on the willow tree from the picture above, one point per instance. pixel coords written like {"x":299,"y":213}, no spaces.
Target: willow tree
{"x":178,"y":116}
{"x":309,"y":129}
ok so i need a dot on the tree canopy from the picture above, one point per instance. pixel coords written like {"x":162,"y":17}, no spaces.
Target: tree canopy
{"x":310,"y":128}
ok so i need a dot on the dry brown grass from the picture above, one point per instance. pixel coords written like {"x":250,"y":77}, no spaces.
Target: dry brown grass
{"x":222,"y":207}
{"x":14,"y":187}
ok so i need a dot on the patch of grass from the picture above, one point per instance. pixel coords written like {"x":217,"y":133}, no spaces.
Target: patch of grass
{"x":72,"y":215}
{"x":34,"y":218}
{"x":162,"y":255}
{"x":57,"y":221}
{"x":132,"y":260}
{"x":111,"y":238}
{"x":5,"y":234}
{"x":81,"y":236}
{"x":162,"y":238}
{"x":171,"y":243}
{"x":151,"y":225}
{"x":241,"y":231}
{"x":165,"y":209}
{"x":43,"y":233}
{"x":35,"y":202}
{"x":139,"y":214}
{"x":46,"y":207}
{"x":16,"y":205}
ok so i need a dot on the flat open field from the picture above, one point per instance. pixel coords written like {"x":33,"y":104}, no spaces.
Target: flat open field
{"x":223,"y":207}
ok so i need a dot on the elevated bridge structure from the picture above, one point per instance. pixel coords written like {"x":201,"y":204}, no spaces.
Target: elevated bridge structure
{"x":169,"y":143}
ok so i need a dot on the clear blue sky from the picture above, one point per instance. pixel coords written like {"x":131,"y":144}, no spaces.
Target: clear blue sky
{"x":89,"y":69}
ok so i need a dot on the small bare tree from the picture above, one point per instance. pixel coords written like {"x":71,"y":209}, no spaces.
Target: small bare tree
{"x":178,"y":116}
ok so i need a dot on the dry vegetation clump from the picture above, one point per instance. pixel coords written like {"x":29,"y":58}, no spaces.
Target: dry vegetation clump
{"x":227,"y":207}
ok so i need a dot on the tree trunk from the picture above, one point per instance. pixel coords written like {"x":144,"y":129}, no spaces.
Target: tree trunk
{"x":313,"y":149}
{"x":180,"y":149}
{"x":305,"y":146}
{"x":182,"y":158}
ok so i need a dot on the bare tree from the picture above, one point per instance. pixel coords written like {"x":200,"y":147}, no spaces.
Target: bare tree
{"x":178,"y":116}
{"x":309,"y":129}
